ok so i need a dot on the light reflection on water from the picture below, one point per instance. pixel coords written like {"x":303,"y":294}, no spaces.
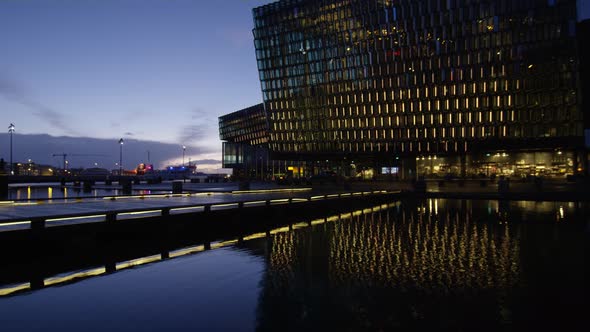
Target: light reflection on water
{"x":33,"y":192}
{"x":455,"y":264}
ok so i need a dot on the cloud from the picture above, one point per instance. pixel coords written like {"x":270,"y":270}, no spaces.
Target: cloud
{"x":10,"y":88}
{"x":193,"y":133}
{"x":129,"y":134}
{"x":198,"y":114}
{"x":201,"y":126}
{"x":206,"y":162}
{"x":15,"y":91}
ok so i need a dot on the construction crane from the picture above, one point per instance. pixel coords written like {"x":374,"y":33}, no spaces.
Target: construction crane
{"x":65,"y":155}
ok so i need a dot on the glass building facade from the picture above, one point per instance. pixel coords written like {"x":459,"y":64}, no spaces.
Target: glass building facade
{"x":245,"y":136}
{"x":427,"y":86}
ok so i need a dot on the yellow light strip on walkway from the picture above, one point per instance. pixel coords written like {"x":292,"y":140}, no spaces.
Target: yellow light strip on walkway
{"x":254,"y":202}
{"x":254,"y":236}
{"x":300,"y":225}
{"x":6,"y":202}
{"x":200,"y":207}
{"x":333,"y":218}
{"x":24,"y":204}
{"x":186,"y":251}
{"x":282,"y":200}
{"x":333,"y":195}
{"x":224,"y":205}
{"x":146,"y":196}
{"x":139,"y":212}
{"x":316,"y":197}
{"x":317,"y":222}
{"x":299,"y":199}
{"x":176,"y":195}
{"x":223,"y":244}
{"x":77,"y":217}
{"x":15,"y":223}
{"x":13,"y":289}
{"x":138,"y":261}
{"x":280,"y":230}
{"x":83,"y":274}
{"x":263,"y":191}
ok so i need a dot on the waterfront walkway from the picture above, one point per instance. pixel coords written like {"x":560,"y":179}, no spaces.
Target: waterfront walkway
{"x":48,"y":213}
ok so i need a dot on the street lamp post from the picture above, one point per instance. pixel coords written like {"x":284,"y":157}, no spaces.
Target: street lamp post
{"x":120,"y":157}
{"x":11,"y":131}
{"x":183,"y":170}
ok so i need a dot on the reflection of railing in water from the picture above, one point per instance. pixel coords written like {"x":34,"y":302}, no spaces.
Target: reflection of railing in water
{"x":68,"y":277}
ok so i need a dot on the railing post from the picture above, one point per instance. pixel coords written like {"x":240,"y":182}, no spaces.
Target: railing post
{"x":110,"y":267}
{"x":37,"y":282}
{"x":111,"y":217}
{"x":38,"y":224}
{"x":207,"y":208}
{"x":240,"y":205}
{"x":165,"y":212}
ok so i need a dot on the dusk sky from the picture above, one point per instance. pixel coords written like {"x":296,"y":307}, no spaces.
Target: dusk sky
{"x":156,"y":70}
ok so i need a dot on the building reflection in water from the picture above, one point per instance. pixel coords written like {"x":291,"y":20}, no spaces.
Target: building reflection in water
{"x":439,"y":262}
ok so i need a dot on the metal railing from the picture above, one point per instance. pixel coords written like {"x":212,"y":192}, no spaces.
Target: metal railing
{"x":40,"y":222}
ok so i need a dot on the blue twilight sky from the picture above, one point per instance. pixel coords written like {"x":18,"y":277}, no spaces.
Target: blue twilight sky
{"x":158,"y":70}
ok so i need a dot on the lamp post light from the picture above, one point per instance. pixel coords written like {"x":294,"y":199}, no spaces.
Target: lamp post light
{"x":11,"y":131}
{"x":183,"y":151}
{"x":120,"y":157}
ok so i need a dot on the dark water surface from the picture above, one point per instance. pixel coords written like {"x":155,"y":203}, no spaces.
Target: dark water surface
{"x":438,"y":264}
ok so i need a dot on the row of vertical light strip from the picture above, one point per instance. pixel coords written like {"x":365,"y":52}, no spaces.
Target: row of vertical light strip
{"x":69,"y":277}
